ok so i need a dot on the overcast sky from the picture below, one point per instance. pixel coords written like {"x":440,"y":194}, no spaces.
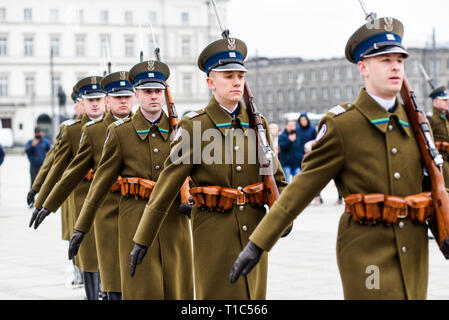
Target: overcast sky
{"x":316,"y":29}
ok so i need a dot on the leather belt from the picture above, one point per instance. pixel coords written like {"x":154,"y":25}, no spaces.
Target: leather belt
{"x":373,"y":208}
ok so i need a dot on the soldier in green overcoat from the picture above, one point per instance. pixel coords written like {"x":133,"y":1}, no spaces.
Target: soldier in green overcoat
{"x":119,"y":101}
{"x":369,"y":149}
{"x":440,"y":126}
{"x":93,"y":101}
{"x":215,"y":147}
{"x":135,"y":149}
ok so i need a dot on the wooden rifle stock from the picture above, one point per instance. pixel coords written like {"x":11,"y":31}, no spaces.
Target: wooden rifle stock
{"x":173,"y":119}
{"x":440,"y":197}
{"x":255,"y":122}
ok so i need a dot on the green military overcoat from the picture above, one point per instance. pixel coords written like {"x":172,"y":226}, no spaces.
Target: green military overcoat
{"x":135,"y":148}
{"x":365,"y":149}
{"x":66,"y":220}
{"x":440,"y":128}
{"x":68,"y":146}
{"x":106,"y":221}
{"x":217,"y":237}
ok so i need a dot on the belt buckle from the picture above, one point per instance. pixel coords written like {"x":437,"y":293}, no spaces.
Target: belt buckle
{"x":406,"y":214}
{"x":244,"y":199}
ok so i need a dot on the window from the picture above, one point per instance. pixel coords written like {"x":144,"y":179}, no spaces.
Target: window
{"x":3,"y":86}
{"x":185,"y":17}
{"x":27,"y":14}
{"x":105,"y":40}
{"x":56,"y":84}
{"x":128,"y":17}
{"x":54,"y":15}
{"x":312,"y":75}
{"x":280,"y":77}
{"x":80,"y":44}
{"x":290,"y":76}
{"x":2,"y":14}
{"x":349,"y":92}
{"x":54,"y":44}
{"x":280,"y":96}
{"x":337,"y":93}
{"x":80,"y":16}
{"x":313,"y":95}
{"x":324,"y":75}
{"x":291,"y":95}
{"x":185,"y":49}
{"x":29,"y":86}
{"x":348,"y":72}
{"x":187,"y":83}
{"x":153,"y":17}
{"x":3,"y":46}
{"x":325,"y":93}
{"x":28,"y":46}
{"x":269,"y":97}
{"x":434,"y":65}
{"x":129,"y":46}
{"x":104,"y":16}
{"x":336,"y":74}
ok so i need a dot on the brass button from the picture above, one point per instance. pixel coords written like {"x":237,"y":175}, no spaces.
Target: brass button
{"x":241,"y":208}
{"x":401,"y":224}
{"x":239,"y":188}
{"x":236,"y":148}
{"x":404,"y":249}
{"x":244,"y":228}
{"x":157,"y":167}
{"x":238,"y":168}
{"x":156,"y":150}
{"x":153,"y":135}
{"x":394,"y":151}
{"x":397,"y":176}
{"x":390,"y":127}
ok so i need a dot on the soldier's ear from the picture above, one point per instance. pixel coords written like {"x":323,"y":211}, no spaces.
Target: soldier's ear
{"x":211,"y":83}
{"x":363,"y":69}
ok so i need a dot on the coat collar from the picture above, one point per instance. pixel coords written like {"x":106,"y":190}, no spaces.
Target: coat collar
{"x":378,"y":116}
{"x":143,"y":127}
{"x":109,"y":118}
{"x":440,"y":114}
{"x":222,"y":120}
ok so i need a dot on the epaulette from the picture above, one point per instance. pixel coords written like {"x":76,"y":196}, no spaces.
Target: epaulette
{"x":73,"y":122}
{"x":90,"y":123}
{"x":68,"y":122}
{"x":121,"y":121}
{"x":193,"y":114}
{"x":340,"y":109}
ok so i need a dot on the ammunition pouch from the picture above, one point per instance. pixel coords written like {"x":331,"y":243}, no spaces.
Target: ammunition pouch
{"x":216,"y":198}
{"x":137,"y":187}
{"x":442,"y":146}
{"x":376,"y":207}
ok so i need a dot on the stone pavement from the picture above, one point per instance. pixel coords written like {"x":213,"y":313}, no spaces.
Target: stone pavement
{"x":34,"y":264}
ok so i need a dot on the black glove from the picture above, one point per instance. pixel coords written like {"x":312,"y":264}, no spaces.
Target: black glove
{"x":75,"y":243}
{"x":186,"y":208}
{"x":41,"y":216}
{"x":30,"y":197}
{"x":445,"y":248}
{"x":137,"y":255}
{"x":33,"y":216}
{"x":247,"y":259}
{"x":287,"y":231}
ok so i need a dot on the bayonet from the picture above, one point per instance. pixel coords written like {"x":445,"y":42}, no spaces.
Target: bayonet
{"x":368,"y":16}
{"x":426,"y":76}
{"x":224,"y":32}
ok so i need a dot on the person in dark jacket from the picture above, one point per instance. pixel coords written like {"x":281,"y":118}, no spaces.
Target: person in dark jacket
{"x":2,"y":154}
{"x":36,"y":150}
{"x":290,"y":150}
{"x":305,"y":131}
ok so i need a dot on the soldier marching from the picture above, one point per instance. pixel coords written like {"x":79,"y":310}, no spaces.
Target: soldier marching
{"x":118,"y":176}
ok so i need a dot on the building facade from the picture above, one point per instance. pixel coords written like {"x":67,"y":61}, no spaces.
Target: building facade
{"x":284,"y":87}
{"x":84,"y":35}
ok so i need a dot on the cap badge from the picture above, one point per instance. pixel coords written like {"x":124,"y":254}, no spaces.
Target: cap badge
{"x":231,"y":44}
{"x":388,"y":24}
{"x":122,"y":75}
{"x":150,"y":65}
{"x":93,"y":80}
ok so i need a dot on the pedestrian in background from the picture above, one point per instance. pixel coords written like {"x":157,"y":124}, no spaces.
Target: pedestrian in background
{"x":305,"y":131}
{"x":36,"y":150}
{"x":290,"y":150}
{"x":274,"y":130}
{"x":2,"y":154}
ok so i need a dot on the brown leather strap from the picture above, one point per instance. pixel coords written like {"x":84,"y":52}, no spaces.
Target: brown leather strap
{"x":90,"y":175}
{"x":216,"y":198}
{"x":376,"y":207}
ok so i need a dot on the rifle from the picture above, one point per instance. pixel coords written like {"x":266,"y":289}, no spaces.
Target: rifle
{"x":265,"y":154}
{"x":433,"y":162}
{"x":426,"y":76}
{"x":173,"y":119}
{"x":432,"y":159}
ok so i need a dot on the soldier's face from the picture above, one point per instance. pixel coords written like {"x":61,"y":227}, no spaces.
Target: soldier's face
{"x":151,"y":100}
{"x":441,"y":104}
{"x":94,"y":107}
{"x":227,"y":86}
{"x":79,"y":108}
{"x":120,"y":106}
{"x":383,"y":74}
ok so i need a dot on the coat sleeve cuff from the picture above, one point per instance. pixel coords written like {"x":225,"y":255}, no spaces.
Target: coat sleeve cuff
{"x":149,"y":226}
